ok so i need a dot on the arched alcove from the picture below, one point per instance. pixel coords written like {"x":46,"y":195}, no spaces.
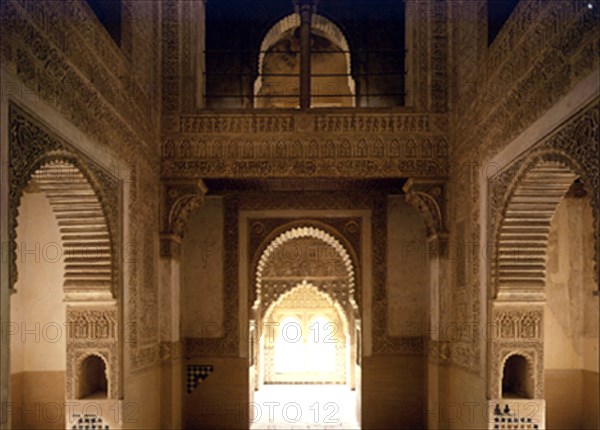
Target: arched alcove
{"x":87,"y":240}
{"x":93,"y":383}
{"x":516,"y":378}
{"x":545,"y":263}
{"x":77,"y":202}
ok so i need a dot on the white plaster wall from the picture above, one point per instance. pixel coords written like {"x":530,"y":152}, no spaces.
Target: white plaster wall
{"x":202,"y":272}
{"x":407,"y":269}
{"x":571,"y":318}
{"x":38,"y":306}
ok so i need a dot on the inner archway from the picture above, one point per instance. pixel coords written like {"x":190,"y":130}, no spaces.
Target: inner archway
{"x":307,"y":318}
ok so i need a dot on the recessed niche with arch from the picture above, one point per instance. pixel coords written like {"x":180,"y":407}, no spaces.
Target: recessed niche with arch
{"x":517,"y":382}
{"x":93,"y":383}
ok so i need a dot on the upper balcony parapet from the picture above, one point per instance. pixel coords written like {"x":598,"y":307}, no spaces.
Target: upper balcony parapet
{"x":316,"y":122}
{"x":329,"y":143}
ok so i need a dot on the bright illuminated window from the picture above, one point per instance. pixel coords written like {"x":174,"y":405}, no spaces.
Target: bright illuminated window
{"x":305,"y":348}
{"x":289,"y":347}
{"x":320,"y":346}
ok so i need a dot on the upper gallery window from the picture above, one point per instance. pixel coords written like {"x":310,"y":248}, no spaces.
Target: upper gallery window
{"x":304,"y":54}
{"x":280,"y":71}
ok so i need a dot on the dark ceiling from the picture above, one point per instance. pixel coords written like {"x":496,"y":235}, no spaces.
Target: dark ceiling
{"x":385,"y":185}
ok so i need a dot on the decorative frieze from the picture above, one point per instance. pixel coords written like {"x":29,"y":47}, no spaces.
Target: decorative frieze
{"x":306,"y":144}
{"x":92,"y":325}
{"x":313,"y":122}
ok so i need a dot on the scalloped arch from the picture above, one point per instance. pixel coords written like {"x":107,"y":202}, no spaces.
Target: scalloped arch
{"x":310,"y":232}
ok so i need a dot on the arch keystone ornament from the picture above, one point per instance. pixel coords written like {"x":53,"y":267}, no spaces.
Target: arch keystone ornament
{"x":180,"y":198}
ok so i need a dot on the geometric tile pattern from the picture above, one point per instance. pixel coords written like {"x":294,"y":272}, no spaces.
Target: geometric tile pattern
{"x":197,"y":374}
{"x":89,"y":422}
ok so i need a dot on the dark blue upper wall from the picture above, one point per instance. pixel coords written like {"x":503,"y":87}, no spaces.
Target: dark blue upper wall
{"x":498,"y":13}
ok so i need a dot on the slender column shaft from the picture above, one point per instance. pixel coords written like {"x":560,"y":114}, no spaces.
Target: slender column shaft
{"x":305,"y":9}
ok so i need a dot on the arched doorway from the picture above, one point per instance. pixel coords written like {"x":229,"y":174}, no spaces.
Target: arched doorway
{"x":63,"y":276}
{"x":305,"y":353}
{"x":545,"y":306}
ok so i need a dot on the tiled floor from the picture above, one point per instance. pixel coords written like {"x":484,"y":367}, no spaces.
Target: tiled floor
{"x":305,"y":407}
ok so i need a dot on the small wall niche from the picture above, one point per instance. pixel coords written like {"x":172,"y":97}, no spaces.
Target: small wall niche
{"x":516,"y":382}
{"x":93,"y":383}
